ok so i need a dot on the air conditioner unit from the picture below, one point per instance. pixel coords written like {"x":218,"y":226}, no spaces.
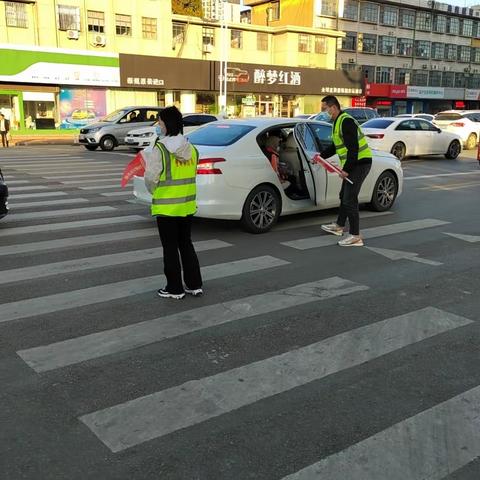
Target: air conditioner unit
{"x":351,"y":60}
{"x":73,"y":34}
{"x":99,"y":40}
{"x":424,"y":67}
{"x":207,"y":48}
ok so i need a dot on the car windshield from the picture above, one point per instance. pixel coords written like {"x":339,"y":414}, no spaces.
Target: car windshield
{"x":447,"y":116}
{"x":377,"y":123}
{"x":219,"y":135}
{"x":114,"y":116}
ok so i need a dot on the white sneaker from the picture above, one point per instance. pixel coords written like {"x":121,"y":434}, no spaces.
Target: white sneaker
{"x":166,"y":294}
{"x":333,"y":228}
{"x":196,"y":292}
{"x":351,"y":241}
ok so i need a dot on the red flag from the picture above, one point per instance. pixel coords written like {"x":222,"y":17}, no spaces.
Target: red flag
{"x":135,"y":167}
{"x":329,"y":167}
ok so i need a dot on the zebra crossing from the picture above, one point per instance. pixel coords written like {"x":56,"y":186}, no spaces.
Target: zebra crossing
{"x":197,"y":400}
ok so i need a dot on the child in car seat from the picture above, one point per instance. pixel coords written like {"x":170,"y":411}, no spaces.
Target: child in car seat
{"x":272,"y":147}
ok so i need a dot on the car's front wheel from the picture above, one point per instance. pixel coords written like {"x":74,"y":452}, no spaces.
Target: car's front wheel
{"x":107,"y":143}
{"x":399,"y":150}
{"x":471,"y":142}
{"x":454,"y":150}
{"x":91,"y":147}
{"x":385,"y":192}
{"x":261,"y":209}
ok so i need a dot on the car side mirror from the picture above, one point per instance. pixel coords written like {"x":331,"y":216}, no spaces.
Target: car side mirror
{"x":439,"y":130}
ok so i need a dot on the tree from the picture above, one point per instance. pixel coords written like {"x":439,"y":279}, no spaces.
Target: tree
{"x":187,"y":7}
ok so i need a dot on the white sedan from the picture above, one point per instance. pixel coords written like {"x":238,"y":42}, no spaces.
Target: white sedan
{"x":411,"y":137}
{"x":144,"y":137}
{"x":235,"y":179}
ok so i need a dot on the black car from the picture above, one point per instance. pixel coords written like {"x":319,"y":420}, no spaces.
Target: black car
{"x":3,"y":196}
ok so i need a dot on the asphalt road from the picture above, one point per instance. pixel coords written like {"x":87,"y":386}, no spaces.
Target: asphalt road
{"x":302,"y":360}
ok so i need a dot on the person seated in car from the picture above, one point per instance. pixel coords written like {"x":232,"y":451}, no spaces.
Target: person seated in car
{"x":133,"y":117}
{"x":272,"y":149}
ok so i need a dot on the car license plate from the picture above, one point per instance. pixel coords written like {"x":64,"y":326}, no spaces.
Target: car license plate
{"x":129,"y":140}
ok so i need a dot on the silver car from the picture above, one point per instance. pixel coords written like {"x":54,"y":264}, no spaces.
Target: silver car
{"x":112,"y":129}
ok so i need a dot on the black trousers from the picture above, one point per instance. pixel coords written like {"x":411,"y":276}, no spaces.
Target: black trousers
{"x":4,"y":139}
{"x":175,"y":234}
{"x":349,"y":198}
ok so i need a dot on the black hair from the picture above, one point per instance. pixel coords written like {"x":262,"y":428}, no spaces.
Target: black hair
{"x":173,"y":120}
{"x":331,"y":101}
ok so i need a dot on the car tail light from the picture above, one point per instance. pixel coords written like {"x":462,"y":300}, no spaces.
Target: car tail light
{"x":207,"y":166}
{"x":375,"y":135}
{"x":457,"y":124}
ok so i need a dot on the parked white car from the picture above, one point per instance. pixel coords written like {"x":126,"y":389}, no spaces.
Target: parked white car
{"x":236,"y":181}
{"x":145,"y":137}
{"x":405,"y":137}
{"x":465,"y":123}
{"x":424,"y":116}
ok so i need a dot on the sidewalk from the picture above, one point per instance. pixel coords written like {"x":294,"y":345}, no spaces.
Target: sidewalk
{"x":22,"y":139}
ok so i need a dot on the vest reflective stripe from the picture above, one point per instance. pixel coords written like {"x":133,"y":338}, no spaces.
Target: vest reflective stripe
{"x":175,"y":195}
{"x":337,"y":137}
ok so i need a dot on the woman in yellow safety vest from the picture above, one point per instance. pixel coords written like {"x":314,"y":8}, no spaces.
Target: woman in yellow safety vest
{"x":170,"y":173}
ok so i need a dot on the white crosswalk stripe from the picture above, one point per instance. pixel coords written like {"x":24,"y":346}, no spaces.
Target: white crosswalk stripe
{"x":62,"y":213}
{"x":145,"y":418}
{"x":46,"y":203}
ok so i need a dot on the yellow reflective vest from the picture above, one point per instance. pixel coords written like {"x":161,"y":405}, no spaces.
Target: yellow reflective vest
{"x":175,"y":195}
{"x":337,"y":137}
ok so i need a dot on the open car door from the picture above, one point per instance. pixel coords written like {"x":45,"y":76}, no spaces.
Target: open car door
{"x":315,"y":176}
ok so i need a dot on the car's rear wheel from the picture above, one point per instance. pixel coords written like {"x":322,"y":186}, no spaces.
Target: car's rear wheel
{"x":454,"y":150}
{"x":261,"y":209}
{"x":471,"y":142}
{"x":91,"y":147}
{"x":399,"y":150}
{"x":107,"y":143}
{"x":385,"y":192}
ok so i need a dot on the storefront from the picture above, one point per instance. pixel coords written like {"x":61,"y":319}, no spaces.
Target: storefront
{"x":252,"y":90}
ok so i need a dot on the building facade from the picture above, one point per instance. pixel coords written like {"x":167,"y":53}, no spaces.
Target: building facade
{"x":66,"y":63}
{"x":413,"y":55}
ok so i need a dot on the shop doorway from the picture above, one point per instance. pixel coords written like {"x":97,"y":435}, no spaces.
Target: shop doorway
{"x":265,"y":109}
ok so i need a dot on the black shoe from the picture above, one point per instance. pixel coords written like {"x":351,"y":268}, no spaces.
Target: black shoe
{"x":165,"y":294}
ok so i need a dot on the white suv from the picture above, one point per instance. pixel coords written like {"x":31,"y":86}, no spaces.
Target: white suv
{"x":465,"y":123}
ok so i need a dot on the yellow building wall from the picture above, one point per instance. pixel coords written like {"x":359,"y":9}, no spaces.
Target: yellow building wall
{"x":292,"y":12}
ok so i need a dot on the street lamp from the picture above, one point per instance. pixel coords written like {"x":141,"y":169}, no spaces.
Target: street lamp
{"x":223,"y":61}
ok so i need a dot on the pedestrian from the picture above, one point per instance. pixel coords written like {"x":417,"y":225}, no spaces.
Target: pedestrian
{"x":355,"y":156}
{"x":4,"y":130}
{"x":171,"y":167}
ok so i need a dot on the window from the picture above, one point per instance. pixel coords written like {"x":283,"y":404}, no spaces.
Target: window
{"x":368,"y":44}
{"x":425,"y":126}
{"x":236,"y":39}
{"x":440,"y":23}
{"x":123,"y":24}
{"x":476,"y":55}
{"x":402,"y":76}
{"x":329,"y":8}
{"x":459,"y":80}
{"x":350,"y":10}
{"x":96,"y":21}
{"x":453,"y":26}
{"x":467,"y":28}
{"x":424,"y":21}
{"x":369,"y":12}
{"x":386,"y":45}
{"x":219,"y":135}
{"x":208,"y":35}
{"x":407,"y":18}
{"x":389,"y":15}
{"x":349,"y":42}
{"x":474,"y":82}
{"x":448,"y":79}
{"x":16,"y":14}
{"x":149,"y":27}
{"x":68,"y":17}
{"x":320,"y":44}
{"x":404,"y":47}
{"x":420,"y":77}
{"x":422,"y":49}
{"x":273,"y":11}
{"x":406,"y":125}
{"x":262,"y":41}
{"x":178,"y":33}
{"x":438,"y":51}
{"x":450,"y":52}
{"x":303,"y":42}
{"x":464,"y":53}
{"x":384,"y":75}
{"x":435,"y":79}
